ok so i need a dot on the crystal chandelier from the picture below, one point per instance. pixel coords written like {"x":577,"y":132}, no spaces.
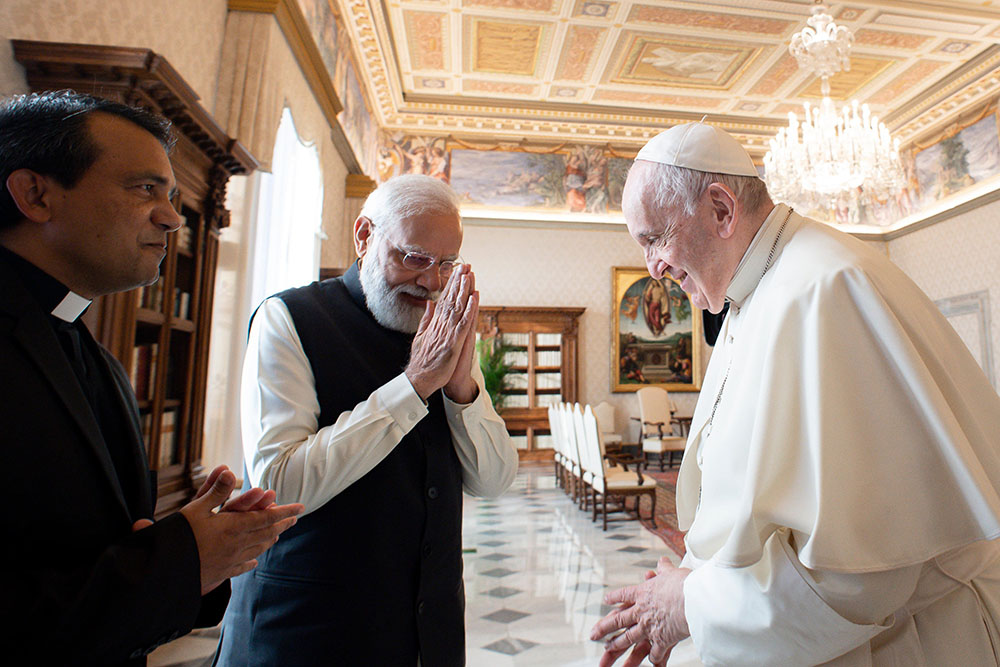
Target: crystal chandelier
{"x":831,"y":160}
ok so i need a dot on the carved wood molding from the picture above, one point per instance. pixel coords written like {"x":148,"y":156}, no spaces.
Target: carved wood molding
{"x":358,"y":186}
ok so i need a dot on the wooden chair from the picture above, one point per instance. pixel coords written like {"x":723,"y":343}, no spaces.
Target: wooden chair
{"x":605,"y":413}
{"x":656,"y":430}
{"x":610,"y":476}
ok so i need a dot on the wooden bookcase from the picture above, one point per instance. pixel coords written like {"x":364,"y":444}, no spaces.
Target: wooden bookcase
{"x":542,"y":352}
{"x":160,"y":333}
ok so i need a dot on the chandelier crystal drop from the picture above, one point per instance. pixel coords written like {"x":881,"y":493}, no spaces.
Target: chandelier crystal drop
{"x":831,"y":160}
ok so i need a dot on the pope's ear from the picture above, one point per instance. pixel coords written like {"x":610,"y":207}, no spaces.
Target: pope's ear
{"x":30,"y":192}
{"x":724,"y":209}
{"x":362,"y":235}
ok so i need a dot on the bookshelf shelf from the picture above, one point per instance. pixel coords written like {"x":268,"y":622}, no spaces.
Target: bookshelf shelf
{"x":542,"y":351}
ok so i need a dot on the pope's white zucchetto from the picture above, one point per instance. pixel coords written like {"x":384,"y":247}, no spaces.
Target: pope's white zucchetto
{"x":700,"y":147}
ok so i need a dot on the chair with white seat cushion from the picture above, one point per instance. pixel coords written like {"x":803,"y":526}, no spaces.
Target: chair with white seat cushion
{"x":656,"y":430}
{"x":608,"y":479}
{"x":605,"y":413}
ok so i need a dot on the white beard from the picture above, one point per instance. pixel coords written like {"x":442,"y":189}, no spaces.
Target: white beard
{"x":386,"y":303}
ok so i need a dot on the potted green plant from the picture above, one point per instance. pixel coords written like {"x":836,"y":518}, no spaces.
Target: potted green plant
{"x":491,"y":360}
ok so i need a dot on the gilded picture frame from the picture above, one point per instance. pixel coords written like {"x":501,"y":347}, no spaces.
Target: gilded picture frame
{"x":656,"y":333}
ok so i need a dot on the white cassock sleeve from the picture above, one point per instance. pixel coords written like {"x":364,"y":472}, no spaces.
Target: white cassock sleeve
{"x":778,"y":612}
{"x":285,"y":449}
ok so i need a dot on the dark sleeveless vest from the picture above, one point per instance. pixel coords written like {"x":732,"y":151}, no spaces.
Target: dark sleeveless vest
{"x":374,"y":576}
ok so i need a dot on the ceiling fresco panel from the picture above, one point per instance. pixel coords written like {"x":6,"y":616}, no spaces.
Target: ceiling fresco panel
{"x":600,"y":9}
{"x":547,"y":6}
{"x":501,"y":87}
{"x":776,"y":76}
{"x":504,"y":47}
{"x":426,"y":37}
{"x":582,"y":45}
{"x":892,"y":40}
{"x":906,"y":82}
{"x":664,"y":101}
{"x":653,"y":14}
{"x":653,"y":59}
{"x":936,"y":24}
{"x":845,"y":85}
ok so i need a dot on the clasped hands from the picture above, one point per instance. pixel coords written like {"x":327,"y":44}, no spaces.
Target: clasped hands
{"x":443,"y":349}
{"x":650,"y":617}
{"x":230,"y":539}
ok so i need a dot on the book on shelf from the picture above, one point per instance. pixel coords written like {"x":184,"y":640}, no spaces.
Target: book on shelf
{"x":182,"y":304}
{"x":185,"y":238}
{"x":144,"y":370}
{"x":168,"y":438}
{"x":146,"y":424}
{"x":151,"y":296}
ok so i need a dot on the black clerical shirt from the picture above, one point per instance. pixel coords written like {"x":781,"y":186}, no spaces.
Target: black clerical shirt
{"x":88,"y":365}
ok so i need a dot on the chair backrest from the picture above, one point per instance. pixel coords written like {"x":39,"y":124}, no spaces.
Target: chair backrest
{"x":595,"y":445}
{"x":586,"y":460}
{"x":655,"y":406}
{"x":555,"y":428}
{"x":569,"y":433}
{"x":605,"y":414}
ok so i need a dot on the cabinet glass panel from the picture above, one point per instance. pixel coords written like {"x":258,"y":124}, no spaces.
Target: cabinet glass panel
{"x":548,"y":339}
{"x":549,"y":358}
{"x":545,"y":400}
{"x":548,"y":381}
{"x":520,"y":441}
{"x":517,"y":339}
{"x":516,"y":381}
{"x":516,"y":358}
{"x":516,"y":401}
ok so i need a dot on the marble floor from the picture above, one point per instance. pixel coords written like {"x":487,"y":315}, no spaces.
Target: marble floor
{"x":536,"y":570}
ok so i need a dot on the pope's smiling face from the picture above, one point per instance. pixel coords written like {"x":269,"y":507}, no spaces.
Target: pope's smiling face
{"x":674,"y":243}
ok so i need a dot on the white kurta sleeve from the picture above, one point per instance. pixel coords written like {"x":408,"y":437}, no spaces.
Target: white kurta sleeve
{"x":284,"y":447}
{"x":776,"y":612}
{"x":489,"y":460}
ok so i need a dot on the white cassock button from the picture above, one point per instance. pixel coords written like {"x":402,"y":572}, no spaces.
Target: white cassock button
{"x":412,"y":416}
{"x":731,"y":339}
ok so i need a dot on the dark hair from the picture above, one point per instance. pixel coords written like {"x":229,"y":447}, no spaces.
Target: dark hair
{"x":47,"y":133}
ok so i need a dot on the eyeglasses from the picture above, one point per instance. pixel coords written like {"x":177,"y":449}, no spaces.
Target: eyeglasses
{"x":418,"y":261}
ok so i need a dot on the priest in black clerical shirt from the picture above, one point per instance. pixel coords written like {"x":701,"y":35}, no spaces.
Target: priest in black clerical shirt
{"x":85,"y":208}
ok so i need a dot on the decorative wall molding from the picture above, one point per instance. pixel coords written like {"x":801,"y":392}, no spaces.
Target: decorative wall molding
{"x":978,"y":304}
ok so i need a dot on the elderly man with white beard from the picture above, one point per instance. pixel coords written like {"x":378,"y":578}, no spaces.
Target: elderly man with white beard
{"x":362,"y":400}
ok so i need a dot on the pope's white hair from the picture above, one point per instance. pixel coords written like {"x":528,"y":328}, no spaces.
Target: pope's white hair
{"x":665,"y":186}
{"x":408,"y":196}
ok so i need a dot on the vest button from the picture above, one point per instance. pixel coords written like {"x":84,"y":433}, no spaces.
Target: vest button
{"x":432,"y":492}
{"x":427,"y":550}
{"x":420,"y":607}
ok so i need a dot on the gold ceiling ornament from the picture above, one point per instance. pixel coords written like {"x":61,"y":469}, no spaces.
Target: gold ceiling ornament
{"x":832,"y":160}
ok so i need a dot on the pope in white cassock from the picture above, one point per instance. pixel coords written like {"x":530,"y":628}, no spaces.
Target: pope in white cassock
{"x":840,"y":483}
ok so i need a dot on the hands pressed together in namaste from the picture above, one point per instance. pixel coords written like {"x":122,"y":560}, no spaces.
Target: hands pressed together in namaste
{"x":444,"y":347}
{"x":650,"y":618}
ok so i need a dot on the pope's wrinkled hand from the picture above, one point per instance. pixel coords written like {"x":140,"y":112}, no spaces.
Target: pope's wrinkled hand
{"x":650,"y":618}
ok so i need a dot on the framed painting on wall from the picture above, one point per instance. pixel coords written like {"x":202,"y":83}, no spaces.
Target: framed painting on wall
{"x":655,"y":331}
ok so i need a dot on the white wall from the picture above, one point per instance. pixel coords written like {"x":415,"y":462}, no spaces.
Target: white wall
{"x":188,"y":33}
{"x":959,"y":256}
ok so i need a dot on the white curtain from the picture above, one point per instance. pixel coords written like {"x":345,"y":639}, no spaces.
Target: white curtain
{"x":289,"y":216}
{"x":272,"y":244}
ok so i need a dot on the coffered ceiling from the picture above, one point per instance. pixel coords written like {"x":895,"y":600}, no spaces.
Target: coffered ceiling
{"x":617,"y":71}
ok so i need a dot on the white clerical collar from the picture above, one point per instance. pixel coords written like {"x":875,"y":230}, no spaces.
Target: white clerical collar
{"x":70,"y":307}
{"x":755,"y":260}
